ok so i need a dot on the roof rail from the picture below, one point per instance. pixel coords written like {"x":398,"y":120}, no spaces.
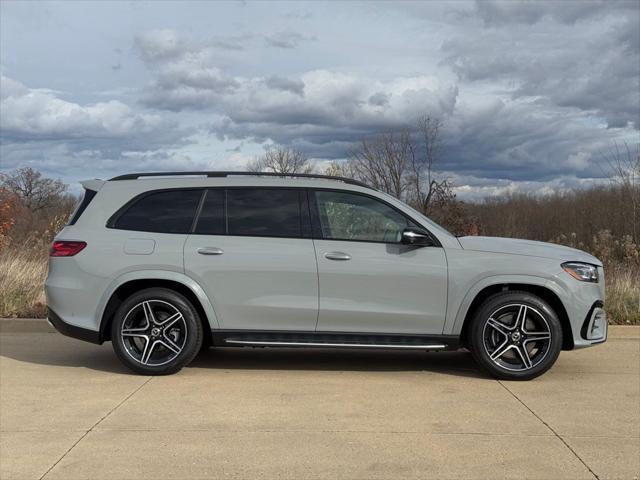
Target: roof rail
{"x":214,"y":174}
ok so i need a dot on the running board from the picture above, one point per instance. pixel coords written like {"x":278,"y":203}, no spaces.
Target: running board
{"x":280,"y":339}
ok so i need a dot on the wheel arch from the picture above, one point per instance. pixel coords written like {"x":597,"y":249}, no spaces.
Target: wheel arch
{"x":540,"y":289}
{"x":129,"y":284}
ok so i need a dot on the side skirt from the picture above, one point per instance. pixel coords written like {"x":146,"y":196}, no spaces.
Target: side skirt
{"x":282,"y":339}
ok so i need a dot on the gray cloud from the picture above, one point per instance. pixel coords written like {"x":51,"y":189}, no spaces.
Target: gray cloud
{"x":530,"y":92}
{"x":379,"y":99}
{"x":502,"y":12}
{"x":592,"y":67}
{"x":521,"y":141}
{"x":280,"y":83}
{"x":160,"y":45}
{"x":231,"y":42}
{"x":286,"y":39}
{"x":40,"y":129}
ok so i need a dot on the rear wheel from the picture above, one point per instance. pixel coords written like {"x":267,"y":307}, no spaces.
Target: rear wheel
{"x":515,"y":336}
{"x":156,"y":332}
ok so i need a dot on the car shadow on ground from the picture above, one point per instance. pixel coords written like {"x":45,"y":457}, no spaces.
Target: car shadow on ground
{"x":38,"y":350}
{"x":314,"y":359}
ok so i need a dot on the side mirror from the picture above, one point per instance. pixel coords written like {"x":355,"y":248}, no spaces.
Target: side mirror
{"x":417,"y":237}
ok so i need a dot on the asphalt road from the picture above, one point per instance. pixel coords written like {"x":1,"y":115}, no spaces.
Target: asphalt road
{"x":69,"y":410}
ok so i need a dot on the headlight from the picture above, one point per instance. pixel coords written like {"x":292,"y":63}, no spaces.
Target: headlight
{"x":581,"y":271}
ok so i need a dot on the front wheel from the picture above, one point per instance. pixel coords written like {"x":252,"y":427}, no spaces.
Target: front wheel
{"x":515,"y":336}
{"x":156,"y":332}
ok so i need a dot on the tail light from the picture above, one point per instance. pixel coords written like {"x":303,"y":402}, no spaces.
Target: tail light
{"x":66,"y":248}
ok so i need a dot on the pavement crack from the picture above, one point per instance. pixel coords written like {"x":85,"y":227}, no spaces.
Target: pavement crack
{"x":94,"y":426}
{"x":551,"y":429}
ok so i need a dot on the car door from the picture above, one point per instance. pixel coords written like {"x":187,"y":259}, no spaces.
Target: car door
{"x":256,"y":262}
{"x":369,"y":281}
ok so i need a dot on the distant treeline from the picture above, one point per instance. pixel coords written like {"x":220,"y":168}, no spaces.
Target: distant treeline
{"x":579,"y":214}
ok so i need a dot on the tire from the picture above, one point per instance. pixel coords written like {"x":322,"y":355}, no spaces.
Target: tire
{"x":156,"y":331}
{"x":515,"y":336}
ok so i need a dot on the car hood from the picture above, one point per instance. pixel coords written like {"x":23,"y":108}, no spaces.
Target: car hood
{"x":513,"y":246}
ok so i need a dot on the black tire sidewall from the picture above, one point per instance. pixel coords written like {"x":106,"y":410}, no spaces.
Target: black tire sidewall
{"x":492,"y":304}
{"x":194,"y":331}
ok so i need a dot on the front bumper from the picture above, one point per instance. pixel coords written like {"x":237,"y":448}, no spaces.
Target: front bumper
{"x":72,"y":330}
{"x":595,"y":326}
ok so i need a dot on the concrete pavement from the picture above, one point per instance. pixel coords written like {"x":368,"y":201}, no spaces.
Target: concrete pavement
{"x":69,"y":410}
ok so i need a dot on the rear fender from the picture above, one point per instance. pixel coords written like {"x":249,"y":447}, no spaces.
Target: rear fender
{"x":181,"y":278}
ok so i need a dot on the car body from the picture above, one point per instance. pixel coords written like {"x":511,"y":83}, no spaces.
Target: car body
{"x":303,"y":260}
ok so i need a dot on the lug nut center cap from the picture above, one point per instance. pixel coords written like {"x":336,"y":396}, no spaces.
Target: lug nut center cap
{"x":155,"y":332}
{"x":515,"y":336}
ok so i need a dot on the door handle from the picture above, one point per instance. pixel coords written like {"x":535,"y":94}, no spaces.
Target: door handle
{"x":337,"y":256}
{"x":210,"y":251}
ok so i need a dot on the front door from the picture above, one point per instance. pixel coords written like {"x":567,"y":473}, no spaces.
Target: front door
{"x":256,"y":263}
{"x":369,"y":281}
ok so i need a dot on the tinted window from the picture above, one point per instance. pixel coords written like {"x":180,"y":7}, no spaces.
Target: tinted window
{"x":263,"y":212}
{"x":211,"y":219}
{"x":347,"y":216}
{"x":165,"y":212}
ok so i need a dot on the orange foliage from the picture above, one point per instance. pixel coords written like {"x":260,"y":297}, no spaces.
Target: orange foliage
{"x":8,"y":211}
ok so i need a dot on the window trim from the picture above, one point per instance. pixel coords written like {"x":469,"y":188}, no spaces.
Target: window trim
{"x":317,"y":227}
{"x":310,"y":217}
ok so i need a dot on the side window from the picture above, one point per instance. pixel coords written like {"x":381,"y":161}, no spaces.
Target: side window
{"x":348,"y":216}
{"x":264,"y":212}
{"x":170,"y":211}
{"x":211,"y":218}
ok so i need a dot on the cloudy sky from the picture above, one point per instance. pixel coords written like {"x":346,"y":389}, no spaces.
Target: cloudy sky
{"x":531,"y":93}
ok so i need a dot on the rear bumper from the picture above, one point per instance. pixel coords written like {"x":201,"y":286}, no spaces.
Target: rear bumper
{"x":72,"y":330}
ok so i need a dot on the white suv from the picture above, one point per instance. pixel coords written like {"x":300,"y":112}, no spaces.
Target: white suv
{"x":165,"y":264}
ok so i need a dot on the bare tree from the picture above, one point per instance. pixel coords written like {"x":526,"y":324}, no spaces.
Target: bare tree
{"x":426,"y":189}
{"x":340,"y":169}
{"x":382,"y":161}
{"x":402,"y":164}
{"x":623,"y":169}
{"x":279,"y":159}
{"x":35,"y":191}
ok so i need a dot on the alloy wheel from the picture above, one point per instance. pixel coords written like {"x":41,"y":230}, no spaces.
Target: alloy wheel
{"x":154,"y":332}
{"x":516,"y":337}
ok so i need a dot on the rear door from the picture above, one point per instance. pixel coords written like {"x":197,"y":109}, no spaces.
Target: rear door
{"x":369,"y":281}
{"x":252,"y":252}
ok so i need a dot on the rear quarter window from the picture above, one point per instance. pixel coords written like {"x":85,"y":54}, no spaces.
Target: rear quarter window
{"x":82,"y":205}
{"x":171,"y":211}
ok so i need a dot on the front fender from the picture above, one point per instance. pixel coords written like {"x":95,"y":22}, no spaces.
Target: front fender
{"x":453,"y":325}
{"x":181,"y":278}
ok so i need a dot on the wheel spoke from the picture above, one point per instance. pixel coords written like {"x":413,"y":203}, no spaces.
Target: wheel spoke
{"x":521,"y":318}
{"x":501,"y":350}
{"x":524,"y":355}
{"x":171,"y":320}
{"x":498,"y":326}
{"x":167,"y":342}
{"x":148,"y":350}
{"x":135,"y":332}
{"x":148,"y":313}
{"x":537,"y":336}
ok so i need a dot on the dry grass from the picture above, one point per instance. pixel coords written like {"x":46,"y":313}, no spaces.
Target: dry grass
{"x":623,"y":295}
{"x":22,"y":274}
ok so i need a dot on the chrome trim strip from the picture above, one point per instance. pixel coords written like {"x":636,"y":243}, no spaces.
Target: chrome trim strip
{"x":321,"y":344}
